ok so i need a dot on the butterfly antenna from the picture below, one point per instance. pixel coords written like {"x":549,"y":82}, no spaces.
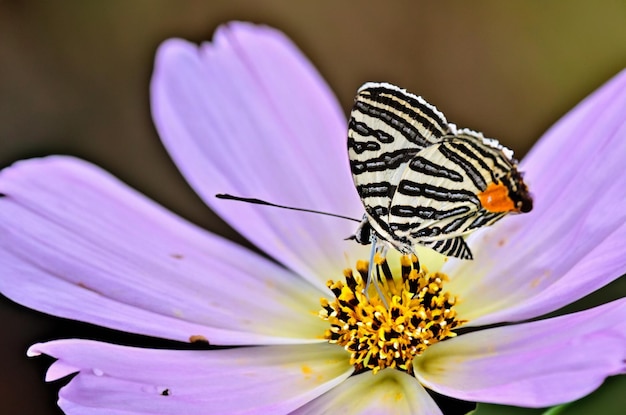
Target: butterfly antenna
{"x":254,"y":201}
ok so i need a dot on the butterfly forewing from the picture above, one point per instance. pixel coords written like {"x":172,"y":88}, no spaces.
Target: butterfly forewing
{"x":420,"y":180}
{"x":388,"y":127}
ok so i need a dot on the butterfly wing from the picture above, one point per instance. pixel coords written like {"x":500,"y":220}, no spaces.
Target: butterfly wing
{"x":455,"y":247}
{"x":388,"y":127}
{"x":441,"y":193}
{"x":423,"y":181}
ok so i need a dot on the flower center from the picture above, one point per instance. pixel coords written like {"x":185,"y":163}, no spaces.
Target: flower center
{"x":419,"y":314}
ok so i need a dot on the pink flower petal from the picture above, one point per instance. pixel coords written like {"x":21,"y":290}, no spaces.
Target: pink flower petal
{"x":127,"y":380}
{"x":248,"y":115}
{"x":534,"y":364}
{"x":388,"y":392}
{"x":79,"y":244}
{"x":573,"y":242}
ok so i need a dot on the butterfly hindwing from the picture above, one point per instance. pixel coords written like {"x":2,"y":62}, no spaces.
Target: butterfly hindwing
{"x":437,"y":196}
{"x":455,"y":247}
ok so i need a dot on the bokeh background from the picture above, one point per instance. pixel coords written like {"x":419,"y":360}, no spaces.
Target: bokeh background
{"x":74,"y":79}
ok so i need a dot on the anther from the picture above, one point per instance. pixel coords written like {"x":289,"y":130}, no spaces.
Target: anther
{"x":408,"y":312}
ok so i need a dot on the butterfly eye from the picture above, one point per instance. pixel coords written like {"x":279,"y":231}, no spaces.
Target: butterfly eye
{"x":363,"y":234}
{"x":526,"y":205}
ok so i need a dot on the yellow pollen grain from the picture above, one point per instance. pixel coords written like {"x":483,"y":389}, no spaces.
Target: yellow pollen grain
{"x":306,"y":370}
{"x":416,"y":314}
{"x":361,"y":266}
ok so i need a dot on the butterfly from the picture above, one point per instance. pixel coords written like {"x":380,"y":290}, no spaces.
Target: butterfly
{"x":423,"y":181}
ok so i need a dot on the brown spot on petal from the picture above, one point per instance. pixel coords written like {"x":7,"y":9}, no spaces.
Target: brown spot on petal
{"x":84,"y":286}
{"x":165,"y":392}
{"x":197,"y":338}
{"x":177,"y":256}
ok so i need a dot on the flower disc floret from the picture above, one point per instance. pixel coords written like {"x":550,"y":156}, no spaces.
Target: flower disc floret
{"x":414,"y":313}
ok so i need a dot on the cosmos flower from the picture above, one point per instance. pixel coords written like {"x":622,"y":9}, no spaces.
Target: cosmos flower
{"x":247,"y":114}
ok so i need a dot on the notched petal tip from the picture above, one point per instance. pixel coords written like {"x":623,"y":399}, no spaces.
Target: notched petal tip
{"x":59,"y":370}
{"x":34,"y":350}
{"x":242,"y":28}
{"x":174,"y":48}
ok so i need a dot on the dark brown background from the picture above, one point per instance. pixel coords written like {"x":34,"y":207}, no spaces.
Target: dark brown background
{"x":74,"y":79}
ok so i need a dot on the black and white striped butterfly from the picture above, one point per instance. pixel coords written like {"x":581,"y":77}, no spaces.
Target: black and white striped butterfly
{"x":422,"y":180}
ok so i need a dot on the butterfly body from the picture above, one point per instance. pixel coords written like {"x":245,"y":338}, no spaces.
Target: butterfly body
{"x":420,"y":179}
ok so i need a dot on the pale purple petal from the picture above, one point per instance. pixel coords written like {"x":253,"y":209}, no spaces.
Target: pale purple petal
{"x":79,"y":244}
{"x":573,"y":242}
{"x":534,"y":364}
{"x":248,"y":380}
{"x":248,"y":115}
{"x":390,"y":391}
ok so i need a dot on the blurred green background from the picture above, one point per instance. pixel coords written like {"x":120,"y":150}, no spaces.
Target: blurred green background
{"x":74,"y":80}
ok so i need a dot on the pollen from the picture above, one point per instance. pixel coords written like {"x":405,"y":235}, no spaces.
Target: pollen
{"x":389,"y":332}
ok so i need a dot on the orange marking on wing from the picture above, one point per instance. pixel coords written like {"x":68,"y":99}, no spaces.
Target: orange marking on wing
{"x":496,"y":199}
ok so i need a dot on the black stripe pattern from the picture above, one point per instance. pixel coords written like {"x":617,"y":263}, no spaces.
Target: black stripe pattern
{"x":421,"y":180}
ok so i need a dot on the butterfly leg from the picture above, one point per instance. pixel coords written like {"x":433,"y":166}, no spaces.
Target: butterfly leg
{"x":382,"y":250}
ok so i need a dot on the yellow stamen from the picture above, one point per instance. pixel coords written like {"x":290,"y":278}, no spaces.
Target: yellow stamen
{"x":389,"y":332}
